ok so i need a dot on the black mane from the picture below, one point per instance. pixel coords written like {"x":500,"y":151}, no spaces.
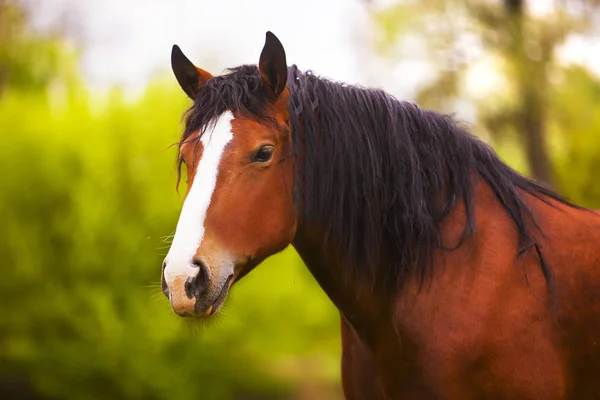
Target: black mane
{"x":378,"y":174}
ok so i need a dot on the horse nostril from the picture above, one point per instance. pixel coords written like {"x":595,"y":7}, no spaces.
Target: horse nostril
{"x":196,"y":286}
{"x":163,"y":282}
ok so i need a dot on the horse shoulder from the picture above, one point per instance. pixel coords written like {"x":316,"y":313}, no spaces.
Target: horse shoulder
{"x":482,"y":328}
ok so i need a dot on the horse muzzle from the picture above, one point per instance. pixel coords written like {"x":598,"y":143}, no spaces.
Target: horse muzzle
{"x":196,"y":290}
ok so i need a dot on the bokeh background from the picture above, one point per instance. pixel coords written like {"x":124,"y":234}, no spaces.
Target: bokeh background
{"x":89,"y":111}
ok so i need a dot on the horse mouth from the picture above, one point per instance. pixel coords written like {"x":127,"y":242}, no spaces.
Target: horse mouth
{"x":218,"y":303}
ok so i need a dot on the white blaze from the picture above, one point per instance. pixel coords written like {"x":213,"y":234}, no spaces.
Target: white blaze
{"x":190,"y":227}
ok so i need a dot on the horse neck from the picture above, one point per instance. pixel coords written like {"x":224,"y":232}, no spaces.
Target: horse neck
{"x":360,"y":306}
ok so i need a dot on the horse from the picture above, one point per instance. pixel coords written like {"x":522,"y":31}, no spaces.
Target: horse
{"x":455,"y":276}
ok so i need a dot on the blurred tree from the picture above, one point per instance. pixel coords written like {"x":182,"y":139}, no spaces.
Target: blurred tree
{"x":529,"y":69}
{"x":522,"y":44}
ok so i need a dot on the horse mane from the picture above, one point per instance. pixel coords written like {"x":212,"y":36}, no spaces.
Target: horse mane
{"x":378,"y":174}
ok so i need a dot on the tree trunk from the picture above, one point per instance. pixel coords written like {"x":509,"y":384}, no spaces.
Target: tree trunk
{"x":531,"y":84}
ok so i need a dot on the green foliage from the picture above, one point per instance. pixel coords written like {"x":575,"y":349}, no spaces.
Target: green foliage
{"x":29,"y":61}
{"x":574,"y":127}
{"x":87,"y":198}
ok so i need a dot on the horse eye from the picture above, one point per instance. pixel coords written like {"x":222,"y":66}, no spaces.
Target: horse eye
{"x":264,"y":154}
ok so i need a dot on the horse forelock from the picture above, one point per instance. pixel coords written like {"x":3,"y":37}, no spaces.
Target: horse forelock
{"x":240,"y":90}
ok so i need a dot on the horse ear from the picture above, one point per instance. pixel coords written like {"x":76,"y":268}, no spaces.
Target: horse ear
{"x":190,"y":77}
{"x":272,"y":66}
